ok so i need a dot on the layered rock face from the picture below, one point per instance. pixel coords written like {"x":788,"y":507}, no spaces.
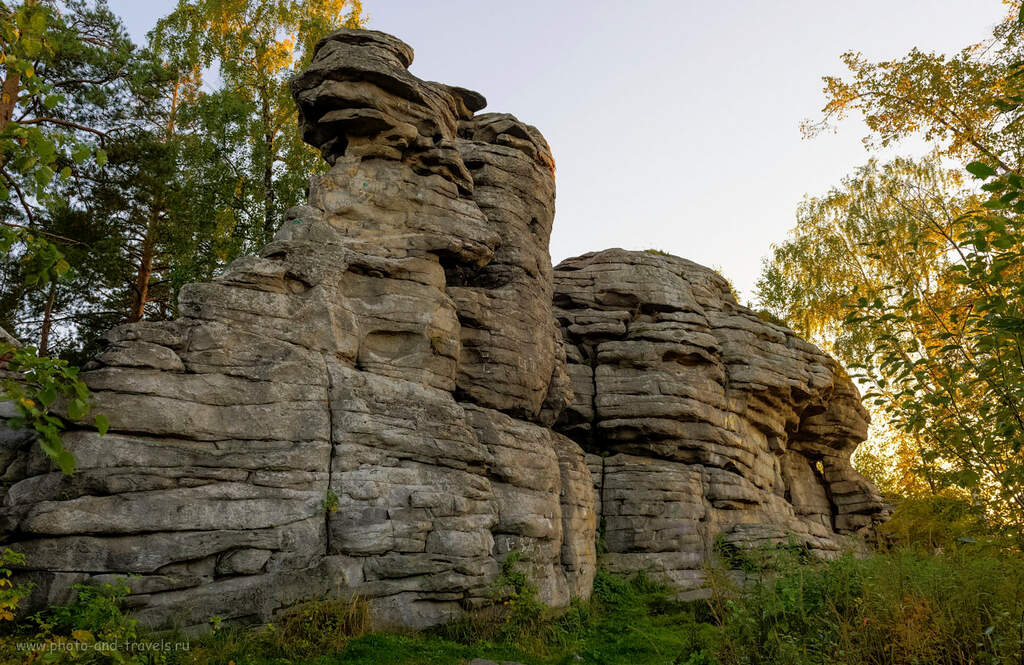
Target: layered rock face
{"x":359,"y":410}
{"x":703,"y":422}
{"x":385,"y":404}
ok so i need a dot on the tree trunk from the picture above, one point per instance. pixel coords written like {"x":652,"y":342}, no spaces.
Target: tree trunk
{"x":145,"y":272}
{"x":268,"y":188}
{"x":269,"y":228}
{"x":173,"y":115}
{"x":44,"y":334}
{"x":9,"y":97}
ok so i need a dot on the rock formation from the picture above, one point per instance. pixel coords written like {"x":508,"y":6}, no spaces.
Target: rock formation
{"x":382,"y":402}
{"x":703,"y":421}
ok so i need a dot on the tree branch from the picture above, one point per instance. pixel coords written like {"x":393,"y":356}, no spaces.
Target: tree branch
{"x":66,"y":123}
{"x":21,"y":197}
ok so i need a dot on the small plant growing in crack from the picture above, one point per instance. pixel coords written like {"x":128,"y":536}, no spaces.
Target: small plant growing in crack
{"x":330,"y":503}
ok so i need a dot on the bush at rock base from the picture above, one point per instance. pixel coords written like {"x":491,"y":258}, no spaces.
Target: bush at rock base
{"x":93,"y":629}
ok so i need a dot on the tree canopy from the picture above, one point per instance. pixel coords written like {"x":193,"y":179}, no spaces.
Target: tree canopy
{"x":911,"y":270}
{"x":127,"y":171}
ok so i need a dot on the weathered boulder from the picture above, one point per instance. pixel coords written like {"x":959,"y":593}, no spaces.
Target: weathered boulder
{"x":385,"y":403}
{"x":702,"y":421}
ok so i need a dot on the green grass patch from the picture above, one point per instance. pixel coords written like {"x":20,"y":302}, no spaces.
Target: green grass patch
{"x":905,"y":607}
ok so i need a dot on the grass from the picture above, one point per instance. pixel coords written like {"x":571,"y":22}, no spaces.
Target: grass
{"x":962,"y":606}
{"x":629,"y":622}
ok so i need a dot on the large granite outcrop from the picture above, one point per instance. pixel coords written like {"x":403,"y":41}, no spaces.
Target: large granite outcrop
{"x":382,"y":402}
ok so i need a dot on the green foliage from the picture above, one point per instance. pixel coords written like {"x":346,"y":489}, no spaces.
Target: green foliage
{"x":523,"y":612}
{"x":620,"y":593}
{"x":515,"y":616}
{"x":34,"y":146}
{"x":627,"y":620}
{"x":420,"y":649}
{"x":882,"y":225}
{"x":56,"y":125}
{"x":766,"y":315}
{"x":945,"y":357}
{"x":916,"y":292}
{"x":761,"y":559}
{"x":257,"y":46}
{"x":898,"y":608}
{"x":41,"y":261}
{"x":124,"y":172}
{"x":37,"y":386}
{"x":92,"y":630}
{"x":317,"y":627}
{"x":11,"y":594}
{"x":933,"y":523}
{"x":300,"y":633}
{"x":96,"y":609}
{"x":634,"y":620}
{"x":330,"y":502}
{"x":966,"y":103}
{"x":915,"y":281}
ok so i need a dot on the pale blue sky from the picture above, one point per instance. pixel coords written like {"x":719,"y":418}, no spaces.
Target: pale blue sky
{"x":674,"y":124}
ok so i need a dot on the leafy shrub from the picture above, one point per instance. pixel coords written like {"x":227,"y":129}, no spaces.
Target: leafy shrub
{"x":765,"y":559}
{"x":613,"y":590}
{"x":617,"y":593}
{"x":10,"y":594}
{"x":943,"y":522}
{"x":96,"y":609}
{"x":91,"y":630}
{"x":305,"y":631}
{"x":36,"y":385}
{"x":626,"y":620}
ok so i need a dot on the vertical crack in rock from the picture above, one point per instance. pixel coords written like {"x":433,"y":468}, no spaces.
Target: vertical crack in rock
{"x":591,"y":355}
{"x":833,"y":509}
{"x":464,"y":378}
{"x":328,"y":508}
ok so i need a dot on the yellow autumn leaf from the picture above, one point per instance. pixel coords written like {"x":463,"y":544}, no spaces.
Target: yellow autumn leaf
{"x":83,"y":636}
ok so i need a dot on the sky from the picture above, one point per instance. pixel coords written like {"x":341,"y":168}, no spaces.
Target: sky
{"x":675,"y":124}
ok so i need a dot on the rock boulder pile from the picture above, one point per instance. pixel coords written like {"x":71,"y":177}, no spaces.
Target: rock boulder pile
{"x":385,"y":403}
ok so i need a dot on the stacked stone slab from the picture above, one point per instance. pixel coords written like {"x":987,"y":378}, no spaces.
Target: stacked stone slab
{"x":369,"y":406}
{"x":703,"y":423}
{"x":359,"y":410}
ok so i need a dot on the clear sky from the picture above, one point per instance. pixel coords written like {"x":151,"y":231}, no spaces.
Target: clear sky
{"x":674,"y":123}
